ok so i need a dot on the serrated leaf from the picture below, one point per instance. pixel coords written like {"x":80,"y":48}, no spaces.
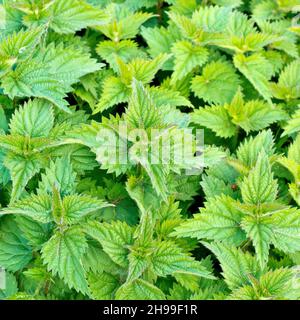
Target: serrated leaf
{"x":238,"y":267}
{"x":259,"y":186}
{"x":257,"y":70}
{"x":212,"y":19}
{"x":49,"y":74}
{"x":219,"y":220}
{"x":215,"y":118}
{"x":102,"y":286}
{"x":21,"y":170}
{"x":187,"y":57}
{"x":254,"y":115}
{"x":141,"y":112}
{"x":249,"y":150}
{"x":114,"y":91}
{"x":20,"y":45}
{"x":160,"y":40}
{"x":114,"y":238}
{"x":77,"y":207}
{"x":273,"y":285}
{"x":139,"y":290}
{"x":125,"y":28}
{"x":11,"y":286}
{"x":293,"y":125}
{"x":36,"y":207}
{"x":260,"y":232}
{"x":125,"y":50}
{"x":287,"y":87}
{"x":15,"y":253}
{"x":73,"y":15}
{"x":216,"y":76}
{"x":63,"y":255}
{"x":170,"y":259}
{"x":59,"y":174}
{"x":286,"y":230}
{"x":36,"y":233}
{"x":34,"y":119}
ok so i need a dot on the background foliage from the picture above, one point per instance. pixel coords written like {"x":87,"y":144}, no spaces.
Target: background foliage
{"x":71,"y":228}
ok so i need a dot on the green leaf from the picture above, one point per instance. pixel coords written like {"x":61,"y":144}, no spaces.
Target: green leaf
{"x":97,"y":261}
{"x":69,"y":16}
{"x":293,"y":125}
{"x":125,"y":28}
{"x":259,"y":186}
{"x":277,"y":282}
{"x":216,"y":76}
{"x":49,"y":74}
{"x":187,"y":57}
{"x":114,"y":238}
{"x":102,"y":286}
{"x":259,"y":230}
{"x":286,"y":40}
{"x":286,"y":230}
{"x":63,"y":255}
{"x":18,"y":46}
{"x":138,"y":264}
{"x":157,"y":174}
{"x":287,"y":87}
{"x":160,"y":40}
{"x":21,"y":170}
{"x":228,"y":3}
{"x":15,"y":253}
{"x":219,"y":220}
{"x":11,"y":286}
{"x":169,"y":259}
{"x":143,"y":194}
{"x":3,"y":120}
{"x":35,"y":207}
{"x":125,"y":50}
{"x":258,"y":70}
{"x":141,"y":112}
{"x":77,"y":207}
{"x":164,"y":97}
{"x":139,"y":290}
{"x":213,"y":187}
{"x":238,"y":268}
{"x":249,"y":149}
{"x":34,"y":119}
{"x":36,"y":233}
{"x":114,"y":91}
{"x":187,"y":28}
{"x":212,"y":19}
{"x":215,"y":118}
{"x":254,"y":115}
{"x":142,"y":70}
{"x":273,"y":285}
{"x":59,"y":174}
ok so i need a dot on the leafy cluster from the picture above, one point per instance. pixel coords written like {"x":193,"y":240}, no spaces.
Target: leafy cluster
{"x":75,"y":223}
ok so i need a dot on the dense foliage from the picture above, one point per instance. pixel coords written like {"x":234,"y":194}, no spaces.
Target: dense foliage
{"x":74,"y":224}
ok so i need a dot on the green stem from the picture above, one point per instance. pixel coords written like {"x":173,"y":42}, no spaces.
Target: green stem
{"x":159,"y":10}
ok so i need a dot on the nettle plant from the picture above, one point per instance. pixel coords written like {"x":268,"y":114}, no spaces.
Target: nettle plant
{"x":150,"y":149}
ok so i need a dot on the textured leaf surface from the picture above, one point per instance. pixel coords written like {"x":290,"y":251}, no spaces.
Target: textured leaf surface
{"x":216,"y":76}
{"x":141,"y":290}
{"x":15,"y":253}
{"x":259,"y":186}
{"x":63,"y":256}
